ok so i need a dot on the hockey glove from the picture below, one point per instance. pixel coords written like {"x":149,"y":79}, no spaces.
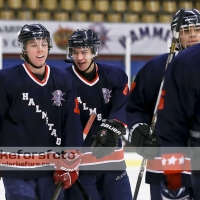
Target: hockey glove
{"x":181,"y":193}
{"x":67,"y":168}
{"x":145,"y":142}
{"x":106,"y":140}
{"x":67,"y":178}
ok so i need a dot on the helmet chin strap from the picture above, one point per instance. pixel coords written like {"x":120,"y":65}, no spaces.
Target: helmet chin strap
{"x":29,"y":62}
{"x":85,"y":69}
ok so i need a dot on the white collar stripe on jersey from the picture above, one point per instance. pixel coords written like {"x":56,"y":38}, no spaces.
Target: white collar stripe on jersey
{"x":35,"y":80}
{"x":84,"y":80}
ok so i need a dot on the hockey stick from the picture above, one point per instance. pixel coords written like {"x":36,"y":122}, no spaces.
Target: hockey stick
{"x":78,"y":183}
{"x":154,"y":118}
{"x":57,"y":191}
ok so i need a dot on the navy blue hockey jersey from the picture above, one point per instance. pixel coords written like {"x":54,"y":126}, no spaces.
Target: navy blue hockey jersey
{"x":141,"y":104}
{"x":179,"y":118}
{"x":105,"y":96}
{"x":36,"y":113}
{"x":144,"y":91}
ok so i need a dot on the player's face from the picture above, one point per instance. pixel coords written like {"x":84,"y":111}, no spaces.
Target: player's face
{"x":37,"y":51}
{"x":189,"y":36}
{"x":82,"y":56}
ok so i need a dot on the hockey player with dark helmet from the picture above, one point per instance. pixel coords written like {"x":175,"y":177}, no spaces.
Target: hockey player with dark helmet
{"x":140,"y":110}
{"x":102,"y":89}
{"x":191,"y":18}
{"x":34,"y":87}
{"x":83,"y":39}
{"x":38,"y":34}
{"x":190,"y":28}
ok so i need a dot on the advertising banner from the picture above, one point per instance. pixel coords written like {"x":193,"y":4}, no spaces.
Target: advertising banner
{"x":146,"y":39}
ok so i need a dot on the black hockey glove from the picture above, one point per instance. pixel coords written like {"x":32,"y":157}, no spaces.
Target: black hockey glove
{"x":144,"y":143}
{"x":106,"y":140}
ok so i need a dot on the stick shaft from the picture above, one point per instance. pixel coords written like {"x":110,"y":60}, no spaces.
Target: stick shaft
{"x":57,"y":191}
{"x":140,"y":175}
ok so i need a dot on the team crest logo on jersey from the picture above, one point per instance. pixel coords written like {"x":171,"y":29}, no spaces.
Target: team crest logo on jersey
{"x":57,"y":97}
{"x":106,"y":94}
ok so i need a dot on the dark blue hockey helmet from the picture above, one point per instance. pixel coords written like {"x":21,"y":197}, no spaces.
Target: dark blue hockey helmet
{"x":33,"y":31}
{"x":191,"y":17}
{"x":83,"y":38}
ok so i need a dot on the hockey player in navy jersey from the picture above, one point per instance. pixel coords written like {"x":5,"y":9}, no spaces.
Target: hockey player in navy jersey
{"x":37,"y":109}
{"x":143,"y":97}
{"x":178,"y":116}
{"x":102,"y":89}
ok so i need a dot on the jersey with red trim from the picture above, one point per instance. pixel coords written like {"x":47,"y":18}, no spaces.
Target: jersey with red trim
{"x":36,"y":113}
{"x":141,"y":104}
{"x":144,"y":91}
{"x":179,"y":120}
{"x":105,"y":96}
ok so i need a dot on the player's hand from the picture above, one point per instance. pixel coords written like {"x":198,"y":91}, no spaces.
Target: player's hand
{"x":180,"y":193}
{"x":144,"y":143}
{"x":106,"y":139}
{"x":67,"y":178}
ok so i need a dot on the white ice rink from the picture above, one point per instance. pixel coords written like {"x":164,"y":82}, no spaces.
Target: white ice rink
{"x":133,"y":162}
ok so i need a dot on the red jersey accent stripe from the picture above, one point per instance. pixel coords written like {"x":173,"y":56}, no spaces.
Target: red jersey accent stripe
{"x":156,"y":165}
{"x":35,"y":78}
{"x":76,"y":109}
{"x":89,"y":159}
{"x":162,"y":100}
{"x":85,"y":80}
{"x":126,"y":90}
{"x":133,"y":86}
{"x":173,"y":163}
